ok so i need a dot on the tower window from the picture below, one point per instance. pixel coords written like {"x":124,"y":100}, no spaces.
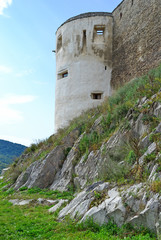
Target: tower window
{"x":120,"y":15}
{"x":98,"y":33}
{"x":96,"y":96}
{"x":59,"y":43}
{"x":63,"y":75}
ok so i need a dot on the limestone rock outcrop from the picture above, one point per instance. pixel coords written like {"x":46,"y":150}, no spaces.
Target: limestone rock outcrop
{"x":130,"y":204}
{"x":59,"y":171}
{"x":136,"y":199}
{"x":42,"y":173}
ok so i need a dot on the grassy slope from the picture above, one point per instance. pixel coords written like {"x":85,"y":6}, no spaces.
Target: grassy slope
{"x":34,"y":222}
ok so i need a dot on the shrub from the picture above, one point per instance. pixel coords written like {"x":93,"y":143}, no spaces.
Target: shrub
{"x":131,"y":158}
{"x":113,"y":171}
{"x":150,"y":157}
{"x":23,"y":189}
{"x":156,"y":186}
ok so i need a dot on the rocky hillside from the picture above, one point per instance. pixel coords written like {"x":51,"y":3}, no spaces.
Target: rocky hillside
{"x":111,"y":155}
{"x":9,"y":152}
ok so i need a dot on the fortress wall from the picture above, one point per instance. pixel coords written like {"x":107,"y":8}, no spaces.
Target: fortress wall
{"x":136,"y":39}
{"x":83,"y":65}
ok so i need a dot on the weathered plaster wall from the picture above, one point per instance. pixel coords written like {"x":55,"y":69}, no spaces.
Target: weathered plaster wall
{"x":87,"y":57}
{"x":136,"y":39}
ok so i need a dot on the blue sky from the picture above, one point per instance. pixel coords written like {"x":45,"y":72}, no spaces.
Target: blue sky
{"x":27,"y":64}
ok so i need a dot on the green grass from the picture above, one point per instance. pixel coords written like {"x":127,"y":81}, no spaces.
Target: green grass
{"x":30,"y":222}
{"x":35,"y":193}
{"x":34,"y":222}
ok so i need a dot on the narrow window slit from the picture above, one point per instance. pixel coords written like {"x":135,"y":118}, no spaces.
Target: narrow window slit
{"x":84,"y":41}
{"x":59,"y":43}
{"x":96,"y":96}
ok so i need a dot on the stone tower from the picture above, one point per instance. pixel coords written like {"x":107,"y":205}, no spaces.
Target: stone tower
{"x":83,"y":64}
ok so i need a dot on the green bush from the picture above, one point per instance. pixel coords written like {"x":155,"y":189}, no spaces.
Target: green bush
{"x":150,"y":157}
{"x":131,"y":158}
{"x":23,"y":189}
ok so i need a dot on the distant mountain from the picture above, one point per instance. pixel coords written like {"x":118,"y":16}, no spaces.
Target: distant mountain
{"x":9,"y":152}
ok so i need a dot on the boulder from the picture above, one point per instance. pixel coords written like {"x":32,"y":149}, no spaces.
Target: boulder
{"x":124,"y":205}
{"x":57,"y":206}
{"x":42,"y":173}
{"x":81,"y":203}
{"x":149,"y":216}
{"x":20,"y":202}
{"x":98,"y":214}
{"x":70,"y":208}
{"x":111,"y":208}
{"x":63,"y":178}
{"x":47,"y":202}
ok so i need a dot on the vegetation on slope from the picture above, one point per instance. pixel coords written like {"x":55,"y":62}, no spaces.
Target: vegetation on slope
{"x":9,"y":152}
{"x":34,"y":222}
{"x":112,"y":113}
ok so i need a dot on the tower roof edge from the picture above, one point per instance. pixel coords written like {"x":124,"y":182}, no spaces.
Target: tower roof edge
{"x":86,"y":15}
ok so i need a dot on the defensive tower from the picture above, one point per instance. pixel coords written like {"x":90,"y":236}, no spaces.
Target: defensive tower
{"x":83,"y":64}
{"x":99,"y":51}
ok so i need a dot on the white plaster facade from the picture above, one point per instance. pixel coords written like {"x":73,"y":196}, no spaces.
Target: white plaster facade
{"x":83,"y":65}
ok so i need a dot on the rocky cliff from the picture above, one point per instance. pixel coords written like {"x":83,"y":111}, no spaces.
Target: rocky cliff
{"x":110,"y":157}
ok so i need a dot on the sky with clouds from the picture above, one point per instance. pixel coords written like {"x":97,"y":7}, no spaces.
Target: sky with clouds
{"x":27,"y":64}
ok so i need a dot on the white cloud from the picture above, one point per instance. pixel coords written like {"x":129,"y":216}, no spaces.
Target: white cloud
{"x":5,"y":69}
{"x":8,"y":115}
{"x":4,"y":4}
